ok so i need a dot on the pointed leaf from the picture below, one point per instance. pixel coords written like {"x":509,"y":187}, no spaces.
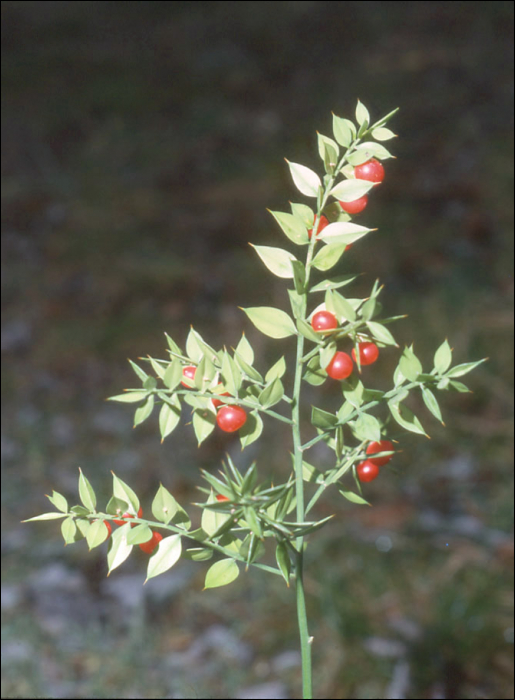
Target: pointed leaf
{"x":383,"y":134}
{"x":166,"y":509}
{"x":305,"y":179}
{"x":143,"y":412}
{"x":464,"y":368}
{"x":406,"y":418}
{"x":166,"y":554}
{"x":119,"y":550}
{"x":276,"y":371}
{"x":221,"y":573}
{"x":343,"y":232}
{"x":277,"y":260}
{"x":59,"y":501}
{"x":283,"y":561}
{"x":169,"y":417}
{"x":129,"y":397}
{"x":204,"y":422}
{"x":124,"y":492}
{"x":349,"y":190}
{"x":335,"y":283}
{"x":252,"y":429}
{"x":244,"y":349}
{"x":381,"y":333}
{"x":270,"y":321}
{"x":327,"y":257}
{"x":432,"y":403}
{"x":353,"y":497}
{"x":272,"y":393}
{"x":292,"y":227}
{"x":86,"y":493}
{"x":342,"y":131}
{"x":443,"y":357}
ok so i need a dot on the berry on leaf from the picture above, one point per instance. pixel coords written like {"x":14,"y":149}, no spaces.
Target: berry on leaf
{"x":324,"y":321}
{"x":372,"y":171}
{"x":189,"y":372}
{"x":367,"y":471}
{"x":382,"y":446}
{"x":340,"y":366}
{"x":323,"y":222}
{"x":356,"y":206}
{"x":231,"y":418}
{"x":149,"y":546}
{"x":368,"y":353}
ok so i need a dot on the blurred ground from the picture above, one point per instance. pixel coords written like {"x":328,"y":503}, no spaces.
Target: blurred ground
{"x":142,"y":144}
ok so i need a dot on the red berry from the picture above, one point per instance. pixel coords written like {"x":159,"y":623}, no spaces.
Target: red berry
{"x":189,"y":372}
{"x":217,"y":402}
{"x":356,"y":206}
{"x":382,"y":446}
{"x":367,"y":471}
{"x":231,"y":418}
{"x":322,"y":223}
{"x":152,"y":543}
{"x":368,"y":353}
{"x":109,"y":528}
{"x":372,"y":171}
{"x":219,"y":497}
{"x":340,"y":366}
{"x":128,"y":515}
{"x":324,"y":321}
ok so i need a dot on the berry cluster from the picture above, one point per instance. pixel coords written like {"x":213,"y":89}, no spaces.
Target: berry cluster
{"x":229,"y":418}
{"x":368,"y":470}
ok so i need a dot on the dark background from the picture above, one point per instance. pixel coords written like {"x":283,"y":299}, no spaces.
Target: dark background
{"x":142,"y":144}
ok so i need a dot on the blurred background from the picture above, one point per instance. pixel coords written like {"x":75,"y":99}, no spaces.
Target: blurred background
{"x":142,"y":144}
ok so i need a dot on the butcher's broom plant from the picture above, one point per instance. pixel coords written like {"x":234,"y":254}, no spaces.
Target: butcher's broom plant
{"x":248,"y":522}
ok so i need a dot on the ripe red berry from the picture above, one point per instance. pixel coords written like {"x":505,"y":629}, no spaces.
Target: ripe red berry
{"x":189,"y":372}
{"x":109,"y":528}
{"x":372,"y":171}
{"x":368,"y":353}
{"x":217,"y":402}
{"x":231,"y":418}
{"x":340,"y":366}
{"x":323,"y":222}
{"x":152,"y":543}
{"x":219,"y":497}
{"x":128,"y":515}
{"x":367,"y":471}
{"x":382,"y":446}
{"x":356,"y":206}
{"x":324,"y":321}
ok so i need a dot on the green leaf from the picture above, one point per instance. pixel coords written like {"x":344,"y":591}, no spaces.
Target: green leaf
{"x":166,"y":509}
{"x":46,"y":516}
{"x":252,"y":429}
{"x":143,"y":412}
{"x":96,"y":534}
{"x":314,"y":374}
{"x":169,"y":417}
{"x":339,"y":306}
{"x":329,"y":151}
{"x":459,"y":386}
{"x":245,"y":351}
{"x":370,"y":149}
{"x":198,"y":554}
{"x":173,"y":345}
{"x":322,"y":419}
{"x":383,"y":134}
{"x":327,"y":257}
{"x":86,"y":493}
{"x":353,"y":497}
{"x":349,"y":190}
{"x":345,"y":410}
{"x":221,"y":573}
{"x":141,"y":373}
{"x":211,"y":520}
{"x":303,"y":213}
{"x":276,"y":371}
{"x":119,"y":550}
{"x":297,"y":303}
{"x":311,"y":474}
{"x":166,"y":554}
{"x":443,"y":357}
{"x":59,"y":501}
{"x":406,"y":418}
{"x":381,"y":333}
{"x":270,"y":321}
{"x":231,"y":374}
{"x":251,"y":372}
{"x":305,"y":179}
{"x":353,"y":391}
{"x":129,"y":397}
{"x":366,"y":427}
{"x":139,"y":534}
{"x":173,"y":374}
{"x":327,"y":353}
{"x":158,"y":368}
{"x":252,"y":521}
{"x":271,"y":394}
{"x":344,"y":131}
{"x":294,"y":229}
{"x":410,"y":365}
{"x":343,"y":232}
{"x":124,"y":492}
{"x":362,"y":114}
{"x":69,"y":530}
{"x":193,"y":349}
{"x":283,"y":561}
{"x":277,"y":260}
{"x":299,"y":276}
{"x":307,"y":331}
{"x":465,"y":368}
{"x":335,"y":283}
{"x":431,"y":403}
{"x":204,"y":422}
